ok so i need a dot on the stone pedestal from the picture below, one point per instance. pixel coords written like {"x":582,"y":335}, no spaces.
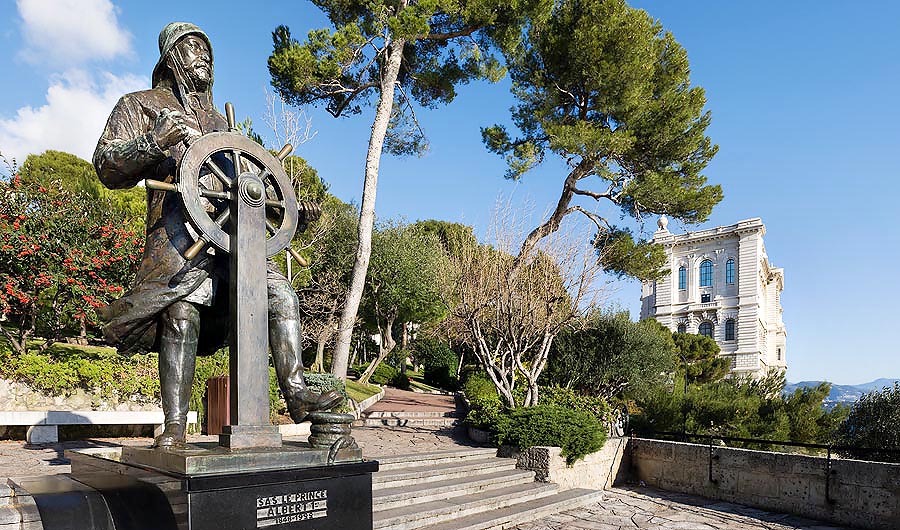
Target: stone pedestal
{"x":206,"y":487}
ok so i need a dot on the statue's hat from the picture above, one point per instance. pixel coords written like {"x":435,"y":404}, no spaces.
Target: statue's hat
{"x":168,"y":37}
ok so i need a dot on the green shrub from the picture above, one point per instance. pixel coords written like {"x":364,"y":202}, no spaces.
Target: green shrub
{"x":440,"y":363}
{"x":569,"y":399}
{"x":577,"y":433}
{"x":324,"y":382}
{"x":485,"y":414}
{"x":383,"y":374}
{"x":64,"y":368}
{"x":874,"y":423}
{"x":485,"y":407}
{"x":478,"y":385}
{"x":400,"y":380}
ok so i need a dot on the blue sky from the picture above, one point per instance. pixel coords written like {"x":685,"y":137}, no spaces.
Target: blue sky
{"x":804,"y":98}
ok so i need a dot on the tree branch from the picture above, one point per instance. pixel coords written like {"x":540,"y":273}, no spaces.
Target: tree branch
{"x":449,"y":35}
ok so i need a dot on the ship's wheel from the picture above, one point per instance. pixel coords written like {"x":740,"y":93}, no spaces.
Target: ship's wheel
{"x":221,"y":168}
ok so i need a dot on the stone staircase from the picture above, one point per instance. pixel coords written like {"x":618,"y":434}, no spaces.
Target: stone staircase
{"x":464,"y":489}
{"x":408,"y":419}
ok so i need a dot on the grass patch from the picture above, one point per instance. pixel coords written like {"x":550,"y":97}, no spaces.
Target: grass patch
{"x":359,"y":392}
{"x":413,"y":383}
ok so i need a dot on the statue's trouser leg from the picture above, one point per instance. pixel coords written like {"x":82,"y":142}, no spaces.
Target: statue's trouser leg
{"x":285,"y":343}
{"x":177,"y":358}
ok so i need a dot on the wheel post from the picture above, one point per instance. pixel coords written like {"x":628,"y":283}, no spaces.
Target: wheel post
{"x":248,"y":350}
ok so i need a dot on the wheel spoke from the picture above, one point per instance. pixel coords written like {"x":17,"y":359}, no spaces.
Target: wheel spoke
{"x":271,"y":227}
{"x":217,"y":171}
{"x":159,"y":185}
{"x":271,"y":203}
{"x":213,"y":194}
{"x":236,"y":158}
{"x":223,"y":217}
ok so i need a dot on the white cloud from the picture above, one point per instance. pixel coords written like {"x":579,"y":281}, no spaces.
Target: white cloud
{"x":72,"y":32}
{"x":73,"y":117}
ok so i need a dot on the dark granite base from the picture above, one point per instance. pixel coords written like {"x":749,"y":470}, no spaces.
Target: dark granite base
{"x":141,"y":497}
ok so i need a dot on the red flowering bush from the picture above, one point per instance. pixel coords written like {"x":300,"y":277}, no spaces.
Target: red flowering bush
{"x":62,"y":255}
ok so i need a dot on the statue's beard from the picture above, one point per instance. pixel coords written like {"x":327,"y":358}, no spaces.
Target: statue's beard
{"x":199,"y":75}
{"x":191,"y":78}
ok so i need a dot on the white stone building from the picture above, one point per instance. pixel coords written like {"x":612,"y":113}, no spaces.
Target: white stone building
{"x":722,"y":285}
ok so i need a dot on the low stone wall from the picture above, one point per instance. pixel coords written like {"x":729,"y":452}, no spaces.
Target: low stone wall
{"x":16,"y":396}
{"x":359,"y":408}
{"x":859,"y":494}
{"x":19,"y":397}
{"x":596,"y":471}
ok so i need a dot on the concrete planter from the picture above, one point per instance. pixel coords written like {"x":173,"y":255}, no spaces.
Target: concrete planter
{"x":599,"y":470}
{"x":479,"y":436}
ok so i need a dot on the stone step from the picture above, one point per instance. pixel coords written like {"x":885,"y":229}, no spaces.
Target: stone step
{"x":390,"y":498}
{"x":434,"y":458}
{"x":516,"y":514}
{"x":412,"y":414}
{"x":434,"y":512}
{"x":395,"y":478}
{"x":406,"y":422}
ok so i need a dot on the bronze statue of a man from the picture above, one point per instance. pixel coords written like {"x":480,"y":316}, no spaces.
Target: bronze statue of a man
{"x":179,"y":307}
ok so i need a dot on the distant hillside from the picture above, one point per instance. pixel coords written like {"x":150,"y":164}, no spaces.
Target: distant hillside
{"x":844,"y":393}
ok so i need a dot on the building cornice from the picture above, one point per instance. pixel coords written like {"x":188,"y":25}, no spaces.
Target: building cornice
{"x":664,"y":237}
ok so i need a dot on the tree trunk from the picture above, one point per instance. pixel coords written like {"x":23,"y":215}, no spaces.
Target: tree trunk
{"x":552,"y":224}
{"x":384,"y":349}
{"x":318,"y":365}
{"x":341,"y":355}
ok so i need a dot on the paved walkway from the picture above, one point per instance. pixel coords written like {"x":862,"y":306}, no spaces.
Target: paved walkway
{"x":395,"y":400}
{"x":20,"y":459}
{"x":621,"y":508}
{"x":651,"y":509}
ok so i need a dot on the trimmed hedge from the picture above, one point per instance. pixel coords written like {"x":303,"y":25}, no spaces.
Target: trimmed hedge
{"x":568,"y":398}
{"x":485,"y":406}
{"x":577,"y":433}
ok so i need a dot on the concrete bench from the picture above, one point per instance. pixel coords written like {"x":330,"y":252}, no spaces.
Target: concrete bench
{"x":43,"y":425}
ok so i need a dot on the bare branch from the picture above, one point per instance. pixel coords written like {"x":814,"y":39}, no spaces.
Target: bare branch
{"x":409,"y":106}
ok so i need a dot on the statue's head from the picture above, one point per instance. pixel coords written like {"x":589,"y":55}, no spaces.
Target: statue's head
{"x":185,"y":57}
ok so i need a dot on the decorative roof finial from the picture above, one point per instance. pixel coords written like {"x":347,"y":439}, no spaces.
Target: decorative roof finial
{"x":662,"y":223}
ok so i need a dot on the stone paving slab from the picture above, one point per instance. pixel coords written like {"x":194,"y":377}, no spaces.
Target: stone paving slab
{"x":20,"y":459}
{"x":652,"y":509}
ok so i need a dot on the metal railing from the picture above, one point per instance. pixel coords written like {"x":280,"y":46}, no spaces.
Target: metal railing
{"x":711,"y":439}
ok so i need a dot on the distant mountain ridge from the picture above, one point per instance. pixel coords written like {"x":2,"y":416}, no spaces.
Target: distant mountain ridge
{"x":844,"y":393}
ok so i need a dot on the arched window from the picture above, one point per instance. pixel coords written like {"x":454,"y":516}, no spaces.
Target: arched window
{"x":729,"y":329}
{"x":706,"y":273}
{"x":729,"y":272}
{"x":682,"y":328}
{"x":706,"y":329}
{"x":682,"y":278}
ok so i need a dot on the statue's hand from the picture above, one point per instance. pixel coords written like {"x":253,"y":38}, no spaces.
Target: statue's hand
{"x":309,"y":212}
{"x":170,"y":128}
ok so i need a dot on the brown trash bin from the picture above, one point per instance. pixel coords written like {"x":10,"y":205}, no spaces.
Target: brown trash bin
{"x":218,"y":411}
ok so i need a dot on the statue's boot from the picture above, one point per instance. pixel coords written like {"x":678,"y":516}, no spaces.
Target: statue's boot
{"x":284,"y":340}
{"x":177,"y":358}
